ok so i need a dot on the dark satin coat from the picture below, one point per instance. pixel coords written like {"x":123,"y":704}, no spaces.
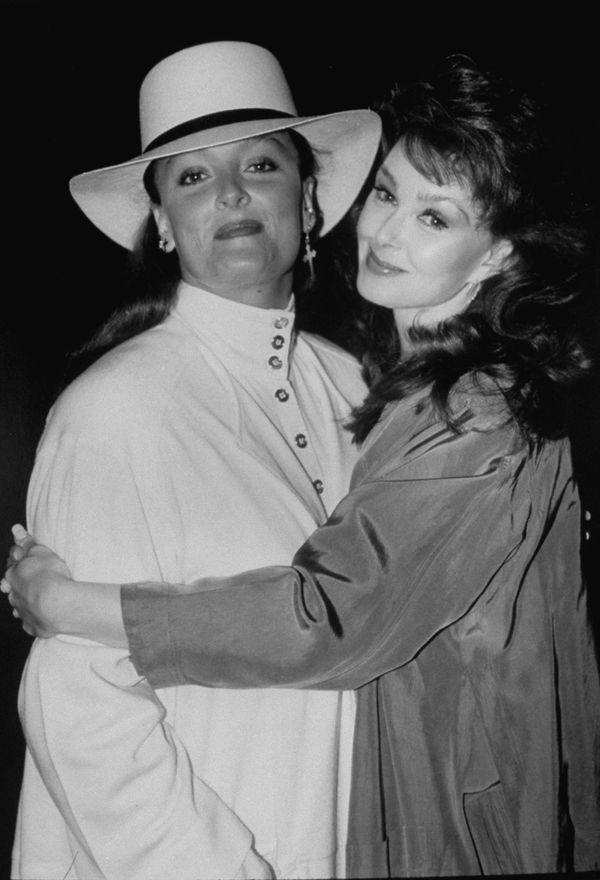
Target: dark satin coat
{"x":446,"y":587}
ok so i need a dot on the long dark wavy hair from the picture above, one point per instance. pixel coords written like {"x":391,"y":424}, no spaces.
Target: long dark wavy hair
{"x":154,"y":276}
{"x":522,"y":328}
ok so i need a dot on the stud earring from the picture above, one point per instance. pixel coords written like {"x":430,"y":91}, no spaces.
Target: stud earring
{"x":163,"y":244}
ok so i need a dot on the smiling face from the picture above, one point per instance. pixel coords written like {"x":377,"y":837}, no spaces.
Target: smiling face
{"x":420,"y":245}
{"x":234,"y":213}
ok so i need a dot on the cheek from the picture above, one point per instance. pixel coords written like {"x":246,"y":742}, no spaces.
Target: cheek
{"x":188,"y":220}
{"x":286,"y":224}
{"x":364,"y":233}
{"x":365,"y":226}
{"x":287,"y":208}
{"x":449,"y":258}
{"x":187,"y":214}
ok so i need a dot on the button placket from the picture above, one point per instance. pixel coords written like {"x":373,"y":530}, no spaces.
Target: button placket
{"x":291,"y":414}
{"x":277,"y":342}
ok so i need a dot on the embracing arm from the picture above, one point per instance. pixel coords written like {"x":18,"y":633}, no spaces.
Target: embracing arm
{"x":402,"y":557}
{"x":395,"y":564}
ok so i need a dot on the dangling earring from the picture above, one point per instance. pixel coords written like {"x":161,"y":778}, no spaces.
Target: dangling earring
{"x":309,"y":255}
{"x":163,"y":244}
{"x":309,"y":252}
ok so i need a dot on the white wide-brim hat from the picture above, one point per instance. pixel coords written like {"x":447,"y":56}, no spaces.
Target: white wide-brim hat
{"x":214,"y":94}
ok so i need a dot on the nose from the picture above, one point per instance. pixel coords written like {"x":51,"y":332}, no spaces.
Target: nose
{"x":232,"y":193}
{"x":391,"y":231}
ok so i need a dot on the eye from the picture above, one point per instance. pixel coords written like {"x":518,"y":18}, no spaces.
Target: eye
{"x":192,"y":175}
{"x":382,"y":194}
{"x":433,"y":219}
{"x":262,"y":165}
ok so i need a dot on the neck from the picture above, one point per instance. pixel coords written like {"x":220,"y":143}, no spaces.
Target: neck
{"x":430,"y":316}
{"x":270,"y":295}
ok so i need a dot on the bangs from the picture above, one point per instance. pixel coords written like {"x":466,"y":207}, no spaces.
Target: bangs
{"x":441,"y":167}
{"x":444,"y":161}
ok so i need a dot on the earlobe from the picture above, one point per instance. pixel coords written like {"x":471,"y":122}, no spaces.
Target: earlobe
{"x":166,"y":243}
{"x":309,"y":216}
{"x":308,"y":219}
{"x":501,"y":254}
{"x":496,"y":261}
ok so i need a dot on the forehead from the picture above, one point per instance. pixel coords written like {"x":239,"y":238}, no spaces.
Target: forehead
{"x":400,"y":170}
{"x":278,"y":142}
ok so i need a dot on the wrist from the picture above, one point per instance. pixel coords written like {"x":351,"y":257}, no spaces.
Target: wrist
{"x":97,"y":614}
{"x":63,"y":609}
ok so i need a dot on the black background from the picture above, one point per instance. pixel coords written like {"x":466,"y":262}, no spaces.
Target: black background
{"x":69,"y":104}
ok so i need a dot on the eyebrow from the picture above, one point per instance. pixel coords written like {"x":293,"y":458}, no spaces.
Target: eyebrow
{"x":425,"y":197}
{"x":271,"y":137}
{"x":387,"y":174}
{"x":435,"y":197}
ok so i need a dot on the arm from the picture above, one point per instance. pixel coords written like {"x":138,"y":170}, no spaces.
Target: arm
{"x":399,"y":560}
{"x":97,"y":731}
{"x":402,"y":557}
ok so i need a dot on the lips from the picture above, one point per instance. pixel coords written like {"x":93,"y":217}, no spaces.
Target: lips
{"x":380,"y":267}
{"x":238,"y":228}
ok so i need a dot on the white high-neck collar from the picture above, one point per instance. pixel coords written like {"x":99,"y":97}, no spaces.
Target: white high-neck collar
{"x":228,"y":326}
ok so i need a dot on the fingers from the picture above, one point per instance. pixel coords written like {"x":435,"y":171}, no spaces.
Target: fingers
{"x":15,"y":554}
{"x":5,"y":587}
{"x":22,"y":537}
{"x":24,"y":544}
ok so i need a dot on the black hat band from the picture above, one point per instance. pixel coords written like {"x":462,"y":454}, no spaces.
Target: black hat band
{"x":213,"y":120}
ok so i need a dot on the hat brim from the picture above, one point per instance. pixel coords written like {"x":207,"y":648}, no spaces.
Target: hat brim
{"x":115,"y":200}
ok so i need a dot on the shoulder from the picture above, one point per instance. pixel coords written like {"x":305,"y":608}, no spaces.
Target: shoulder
{"x":126,"y":387}
{"x":478,"y":403}
{"x":414,"y":442}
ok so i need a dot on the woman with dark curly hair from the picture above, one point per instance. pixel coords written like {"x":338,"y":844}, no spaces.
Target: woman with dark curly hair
{"x":446,"y":587}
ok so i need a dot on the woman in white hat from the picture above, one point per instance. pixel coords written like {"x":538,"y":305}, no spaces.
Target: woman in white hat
{"x":210,"y":442}
{"x":447,"y":585}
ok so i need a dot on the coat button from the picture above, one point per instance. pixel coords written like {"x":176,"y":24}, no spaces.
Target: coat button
{"x":280,"y":323}
{"x":318,"y":484}
{"x":282,"y":395}
{"x":301,"y":440}
{"x":275,"y":362}
{"x":278,"y":342}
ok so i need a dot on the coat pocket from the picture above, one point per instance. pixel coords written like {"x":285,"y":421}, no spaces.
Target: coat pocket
{"x":492,"y":831}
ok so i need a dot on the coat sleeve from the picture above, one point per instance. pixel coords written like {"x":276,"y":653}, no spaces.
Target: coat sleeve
{"x":114,"y":767}
{"x":404,"y":555}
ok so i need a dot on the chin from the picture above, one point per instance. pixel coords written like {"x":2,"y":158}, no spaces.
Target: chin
{"x":376,"y":293}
